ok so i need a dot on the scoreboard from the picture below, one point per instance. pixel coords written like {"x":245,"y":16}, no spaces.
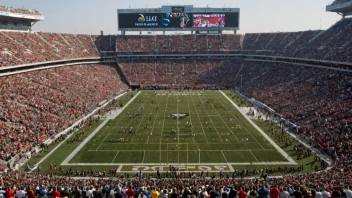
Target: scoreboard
{"x":178,"y":18}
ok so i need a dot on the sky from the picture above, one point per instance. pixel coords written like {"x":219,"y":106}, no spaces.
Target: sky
{"x":92,"y":16}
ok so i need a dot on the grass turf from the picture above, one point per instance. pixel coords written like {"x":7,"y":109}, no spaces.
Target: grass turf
{"x":59,"y":155}
{"x":218,"y":127}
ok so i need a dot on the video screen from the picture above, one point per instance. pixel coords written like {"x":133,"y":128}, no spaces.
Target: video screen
{"x":177,"y":20}
{"x":208,"y":20}
{"x":140,"y":20}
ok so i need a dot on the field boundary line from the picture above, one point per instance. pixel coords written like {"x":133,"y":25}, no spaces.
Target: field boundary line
{"x":87,"y":139}
{"x":248,"y":132}
{"x":279,"y":149}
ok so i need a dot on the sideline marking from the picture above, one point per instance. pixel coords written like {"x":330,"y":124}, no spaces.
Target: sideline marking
{"x":279,"y":149}
{"x":87,"y":139}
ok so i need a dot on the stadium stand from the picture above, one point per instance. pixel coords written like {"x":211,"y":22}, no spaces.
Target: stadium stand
{"x":178,"y":43}
{"x":23,"y":48}
{"x":332,"y":44}
{"x":36,"y":105}
{"x":19,"y":10}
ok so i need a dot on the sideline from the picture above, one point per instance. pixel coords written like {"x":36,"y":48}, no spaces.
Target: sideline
{"x":87,"y":139}
{"x":283,"y":153}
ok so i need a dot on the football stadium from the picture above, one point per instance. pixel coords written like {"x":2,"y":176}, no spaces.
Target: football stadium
{"x":176,"y":104}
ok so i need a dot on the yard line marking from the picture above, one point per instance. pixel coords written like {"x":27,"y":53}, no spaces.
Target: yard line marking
{"x":224,"y":120}
{"x":243,"y":126}
{"x":279,"y":149}
{"x":148,"y":139}
{"x":119,"y":168}
{"x":110,"y":132}
{"x":145,"y":113}
{"x":178,"y":133}
{"x":180,"y":150}
{"x":87,"y":139}
{"x":143,"y":157}
{"x":254,"y":137}
{"x":224,"y":156}
{"x":103,"y":140}
{"x":115,"y":157}
{"x":212,"y":122}
{"x":200,"y":122}
{"x":181,"y":164}
{"x":253,"y":155}
{"x":162,"y":129}
{"x":190,"y":119}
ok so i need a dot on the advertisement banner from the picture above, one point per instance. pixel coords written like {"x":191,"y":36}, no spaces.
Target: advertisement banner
{"x":140,"y":20}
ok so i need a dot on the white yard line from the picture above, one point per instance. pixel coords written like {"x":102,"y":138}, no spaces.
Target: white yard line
{"x":225,"y":123}
{"x":119,"y":168}
{"x":144,"y":114}
{"x":143,"y":157}
{"x":104,"y":138}
{"x":181,"y":164}
{"x":177,"y":128}
{"x":253,"y":137}
{"x":241,"y":143}
{"x":115,"y":157}
{"x":180,"y":150}
{"x":253,"y":155}
{"x":279,"y":149}
{"x":224,"y":156}
{"x":212,"y":122}
{"x":244,"y":127}
{"x":87,"y":139}
{"x":162,"y":129}
{"x":190,"y":118}
{"x":111,"y":131}
{"x":200,"y":122}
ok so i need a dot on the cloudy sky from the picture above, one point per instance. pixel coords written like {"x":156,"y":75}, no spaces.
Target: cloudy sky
{"x":91,"y":16}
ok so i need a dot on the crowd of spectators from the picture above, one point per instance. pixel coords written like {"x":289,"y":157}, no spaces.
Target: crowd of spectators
{"x":19,"y":48}
{"x":178,"y":43}
{"x":192,"y":72}
{"x":318,"y":101}
{"x":334,"y":183}
{"x":19,"y":10}
{"x":36,"y":105}
{"x":333,"y":44}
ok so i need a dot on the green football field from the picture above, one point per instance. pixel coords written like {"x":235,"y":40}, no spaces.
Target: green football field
{"x":177,"y":128}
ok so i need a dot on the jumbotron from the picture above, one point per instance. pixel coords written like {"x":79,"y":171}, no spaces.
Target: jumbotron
{"x":164,"y":113}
